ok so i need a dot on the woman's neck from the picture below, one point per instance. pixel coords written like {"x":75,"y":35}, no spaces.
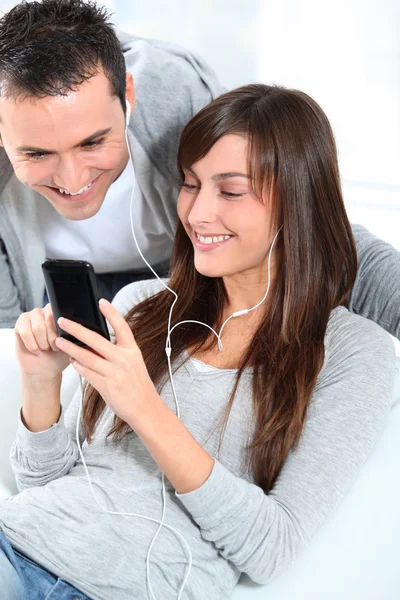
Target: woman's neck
{"x":246,"y":290}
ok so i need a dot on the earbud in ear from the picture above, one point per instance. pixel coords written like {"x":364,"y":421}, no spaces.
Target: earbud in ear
{"x":128,"y":110}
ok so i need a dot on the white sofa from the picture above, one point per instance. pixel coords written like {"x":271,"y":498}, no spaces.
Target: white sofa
{"x":355,"y":557}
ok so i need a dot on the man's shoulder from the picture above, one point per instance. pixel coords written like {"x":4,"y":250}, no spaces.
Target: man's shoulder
{"x":356,"y":340}
{"x":164,"y":64}
{"x":171,"y":85}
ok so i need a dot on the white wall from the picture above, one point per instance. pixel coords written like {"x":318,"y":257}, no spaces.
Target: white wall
{"x":346,"y":54}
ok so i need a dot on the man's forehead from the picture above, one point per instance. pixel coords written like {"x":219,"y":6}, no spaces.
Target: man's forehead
{"x":40,"y":128}
{"x":95,"y":92}
{"x":56,"y":136}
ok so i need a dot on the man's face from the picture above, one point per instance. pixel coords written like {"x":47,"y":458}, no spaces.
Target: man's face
{"x":67,"y":143}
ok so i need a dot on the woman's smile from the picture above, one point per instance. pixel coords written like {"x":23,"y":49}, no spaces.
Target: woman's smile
{"x":206,"y":242}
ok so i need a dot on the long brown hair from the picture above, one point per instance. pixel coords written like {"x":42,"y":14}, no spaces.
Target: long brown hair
{"x":292,"y":153}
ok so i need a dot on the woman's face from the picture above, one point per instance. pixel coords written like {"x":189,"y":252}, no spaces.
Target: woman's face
{"x":230,"y":228}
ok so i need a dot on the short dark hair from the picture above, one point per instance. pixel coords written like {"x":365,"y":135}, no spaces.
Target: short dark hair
{"x":49,"y":48}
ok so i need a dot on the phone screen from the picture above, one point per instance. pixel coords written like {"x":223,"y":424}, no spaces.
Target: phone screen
{"x":73,"y":297}
{"x":72,"y":291}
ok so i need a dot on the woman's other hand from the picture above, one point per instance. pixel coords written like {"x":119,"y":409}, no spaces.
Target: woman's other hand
{"x":37,"y":354}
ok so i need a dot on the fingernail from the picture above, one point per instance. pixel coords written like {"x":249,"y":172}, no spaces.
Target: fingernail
{"x":102,"y":301}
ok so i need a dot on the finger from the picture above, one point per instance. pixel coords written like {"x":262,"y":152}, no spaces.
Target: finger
{"x":90,"y":376}
{"x":94,"y":340}
{"x":52,"y":333}
{"x":85,"y":357}
{"x":33,"y":339}
{"x":24,"y":337}
{"x":39,"y":329}
{"x":123,"y":333}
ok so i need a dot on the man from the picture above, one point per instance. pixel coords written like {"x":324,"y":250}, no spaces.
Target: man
{"x":65,"y":178}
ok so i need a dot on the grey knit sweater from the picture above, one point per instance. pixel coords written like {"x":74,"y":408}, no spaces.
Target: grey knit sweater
{"x":230,"y":525}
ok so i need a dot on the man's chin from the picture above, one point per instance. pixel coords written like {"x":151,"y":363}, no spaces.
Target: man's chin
{"x":73,"y":209}
{"x":77,"y":211}
{"x":76,"y":207}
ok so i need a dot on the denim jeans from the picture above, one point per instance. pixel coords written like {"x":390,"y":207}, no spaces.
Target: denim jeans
{"x":22,"y":579}
{"x":110,"y":283}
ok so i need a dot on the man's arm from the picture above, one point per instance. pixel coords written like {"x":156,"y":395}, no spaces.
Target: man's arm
{"x":10,"y":306}
{"x":376,"y":292}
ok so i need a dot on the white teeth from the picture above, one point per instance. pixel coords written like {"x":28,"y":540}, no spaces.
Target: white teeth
{"x":212,"y":240}
{"x":76,"y":193}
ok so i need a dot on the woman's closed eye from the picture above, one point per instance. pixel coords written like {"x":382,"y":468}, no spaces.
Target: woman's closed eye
{"x":230,"y":194}
{"x":190,"y":187}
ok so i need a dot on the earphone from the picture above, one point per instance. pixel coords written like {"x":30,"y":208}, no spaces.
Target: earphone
{"x":168,"y":350}
{"x":128,"y":111}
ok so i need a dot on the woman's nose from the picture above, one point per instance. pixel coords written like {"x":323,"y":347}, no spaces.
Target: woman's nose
{"x":203,"y":209}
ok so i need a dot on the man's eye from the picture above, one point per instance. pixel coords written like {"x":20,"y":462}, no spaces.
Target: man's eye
{"x":40,"y":155}
{"x":93,"y":144}
{"x":35,"y":155}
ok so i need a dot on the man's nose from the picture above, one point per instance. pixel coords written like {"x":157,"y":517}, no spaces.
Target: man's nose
{"x":71,"y":174}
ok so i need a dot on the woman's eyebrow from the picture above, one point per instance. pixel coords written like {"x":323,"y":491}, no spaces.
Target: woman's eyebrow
{"x":221,"y":176}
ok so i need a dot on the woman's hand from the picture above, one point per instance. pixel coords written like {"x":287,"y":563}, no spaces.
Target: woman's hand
{"x":116,"y":370}
{"x":37,"y":354}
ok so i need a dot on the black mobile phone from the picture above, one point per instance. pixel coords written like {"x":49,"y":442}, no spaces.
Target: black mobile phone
{"x":72,"y":290}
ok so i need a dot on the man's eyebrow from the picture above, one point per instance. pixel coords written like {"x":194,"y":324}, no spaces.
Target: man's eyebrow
{"x":87,"y":140}
{"x":221,"y":176}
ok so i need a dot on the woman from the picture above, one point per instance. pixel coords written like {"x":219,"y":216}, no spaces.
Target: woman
{"x":276,"y":416}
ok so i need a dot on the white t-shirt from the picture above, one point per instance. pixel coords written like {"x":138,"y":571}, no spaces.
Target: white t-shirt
{"x":106,"y":239}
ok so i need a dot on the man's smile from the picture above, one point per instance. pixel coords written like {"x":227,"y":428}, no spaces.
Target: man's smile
{"x":75,"y":196}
